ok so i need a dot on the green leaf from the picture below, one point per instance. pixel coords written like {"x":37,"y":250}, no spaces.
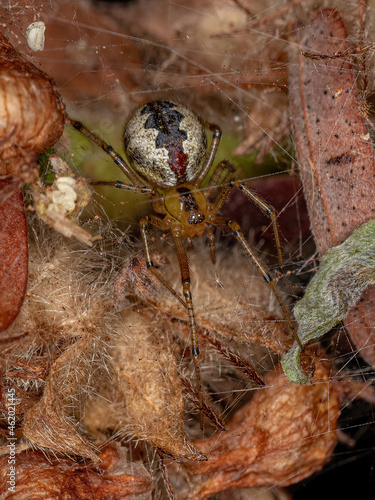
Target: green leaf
{"x":344,"y":273}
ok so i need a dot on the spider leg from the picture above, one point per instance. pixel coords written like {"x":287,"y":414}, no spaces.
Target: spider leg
{"x":148,"y":191}
{"x":185,"y":279}
{"x":211,"y":243}
{"x":159,"y":223}
{"x":216,"y":137}
{"x":266,"y":208}
{"x":223,"y":165}
{"x":235,"y":227}
{"x":107,"y":149}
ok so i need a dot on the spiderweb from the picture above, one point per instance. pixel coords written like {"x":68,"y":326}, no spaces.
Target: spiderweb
{"x":229,"y":61}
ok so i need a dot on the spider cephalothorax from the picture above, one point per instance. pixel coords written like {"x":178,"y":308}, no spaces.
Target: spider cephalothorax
{"x":166,"y":143}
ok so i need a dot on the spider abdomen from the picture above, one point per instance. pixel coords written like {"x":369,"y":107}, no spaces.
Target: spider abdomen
{"x":165,"y":143}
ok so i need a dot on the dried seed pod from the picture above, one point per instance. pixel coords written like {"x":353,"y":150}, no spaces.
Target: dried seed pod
{"x":32,"y":115}
{"x":148,"y":393}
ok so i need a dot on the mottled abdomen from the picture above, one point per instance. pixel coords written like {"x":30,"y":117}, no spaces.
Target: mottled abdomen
{"x":165,"y":143}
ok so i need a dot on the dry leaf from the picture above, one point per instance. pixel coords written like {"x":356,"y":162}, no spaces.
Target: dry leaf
{"x":47,"y":478}
{"x":286,"y":433}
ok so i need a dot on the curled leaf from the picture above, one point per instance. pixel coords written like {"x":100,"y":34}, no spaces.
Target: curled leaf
{"x":51,"y":478}
{"x":283,"y":435}
{"x":344,"y":273}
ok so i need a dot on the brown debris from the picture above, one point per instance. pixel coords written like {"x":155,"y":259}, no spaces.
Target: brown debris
{"x":240,"y":323}
{"x":348,"y":389}
{"x":247,"y":313}
{"x":286,"y":433}
{"x":60,"y":204}
{"x":192,"y":395}
{"x":31,"y":109}
{"x":31,"y":120}
{"x":147,"y":400}
{"x":48,"y":478}
{"x":50,"y":423}
{"x":50,"y":369}
{"x":234,"y":358}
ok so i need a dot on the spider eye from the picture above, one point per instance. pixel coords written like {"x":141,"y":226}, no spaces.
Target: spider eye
{"x":165,"y":143}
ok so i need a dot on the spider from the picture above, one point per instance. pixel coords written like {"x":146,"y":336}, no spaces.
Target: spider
{"x":166,"y":146}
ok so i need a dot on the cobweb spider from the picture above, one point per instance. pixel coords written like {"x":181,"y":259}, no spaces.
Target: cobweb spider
{"x":165,"y":144}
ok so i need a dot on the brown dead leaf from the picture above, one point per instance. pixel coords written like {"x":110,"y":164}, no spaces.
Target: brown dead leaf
{"x":46,"y":478}
{"x":286,"y":433}
{"x":335,"y":154}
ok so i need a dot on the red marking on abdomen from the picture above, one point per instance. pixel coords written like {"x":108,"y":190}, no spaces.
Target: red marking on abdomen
{"x":178,"y":161}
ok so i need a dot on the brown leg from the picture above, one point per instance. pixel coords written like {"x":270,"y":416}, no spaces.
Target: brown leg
{"x":266,"y":208}
{"x":148,"y":191}
{"x":159,"y":223}
{"x":108,"y":149}
{"x":216,"y":136}
{"x":211,"y":243}
{"x":223,"y":165}
{"x":221,"y":221}
{"x":185,"y":279}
